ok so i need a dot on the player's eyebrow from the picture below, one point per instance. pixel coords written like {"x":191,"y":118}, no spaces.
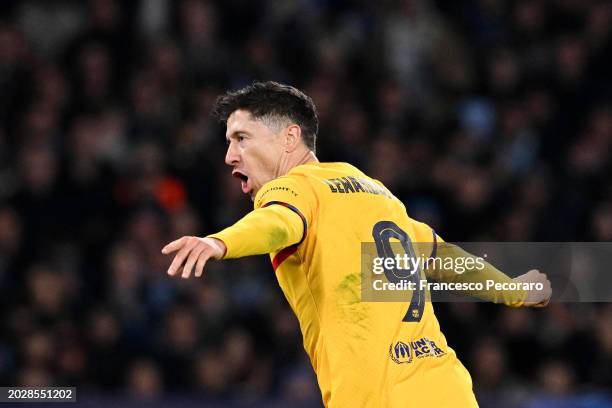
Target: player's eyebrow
{"x":235,"y":134}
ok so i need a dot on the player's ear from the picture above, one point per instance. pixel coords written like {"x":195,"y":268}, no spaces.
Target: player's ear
{"x":293,"y":135}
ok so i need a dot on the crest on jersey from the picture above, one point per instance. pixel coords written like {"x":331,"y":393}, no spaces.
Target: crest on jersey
{"x":400,"y":352}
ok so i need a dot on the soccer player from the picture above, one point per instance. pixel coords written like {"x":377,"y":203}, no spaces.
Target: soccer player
{"x":311,"y":218}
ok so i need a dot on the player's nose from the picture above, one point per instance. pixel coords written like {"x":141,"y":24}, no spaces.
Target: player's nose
{"x":232,"y":157}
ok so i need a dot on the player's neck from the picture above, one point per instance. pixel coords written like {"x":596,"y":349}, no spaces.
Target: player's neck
{"x":295,"y":159}
{"x":307,"y":157}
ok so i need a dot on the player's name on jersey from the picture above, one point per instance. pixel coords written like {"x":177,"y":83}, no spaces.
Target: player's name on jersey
{"x":346,"y":185}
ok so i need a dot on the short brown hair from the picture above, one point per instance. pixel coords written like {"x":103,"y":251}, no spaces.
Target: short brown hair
{"x":273,"y":100}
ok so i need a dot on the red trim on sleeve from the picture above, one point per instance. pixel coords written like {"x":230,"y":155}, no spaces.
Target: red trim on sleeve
{"x":283,"y":255}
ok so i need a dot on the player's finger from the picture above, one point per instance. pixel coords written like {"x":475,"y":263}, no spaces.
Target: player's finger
{"x":204,"y":257}
{"x":193,"y":257}
{"x":174,"y":245}
{"x":178,"y":260}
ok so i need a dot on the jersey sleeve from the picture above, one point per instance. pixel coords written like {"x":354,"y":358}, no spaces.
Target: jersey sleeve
{"x":282,"y":213}
{"x":261,"y":231}
{"x":291,"y":192}
{"x":440,"y":269}
{"x":426,"y":241}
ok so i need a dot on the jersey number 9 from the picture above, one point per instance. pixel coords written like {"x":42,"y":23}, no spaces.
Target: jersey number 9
{"x":382,"y":232}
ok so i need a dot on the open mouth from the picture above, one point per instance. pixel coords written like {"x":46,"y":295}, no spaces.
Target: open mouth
{"x":244,"y":180}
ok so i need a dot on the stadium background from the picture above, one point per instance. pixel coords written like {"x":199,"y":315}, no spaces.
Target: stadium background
{"x":491,"y":120}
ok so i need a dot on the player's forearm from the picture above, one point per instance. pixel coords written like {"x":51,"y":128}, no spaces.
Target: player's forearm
{"x":262,"y":231}
{"x":479,"y":271}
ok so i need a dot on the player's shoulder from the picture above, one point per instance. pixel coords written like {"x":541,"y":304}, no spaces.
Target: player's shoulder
{"x":307,"y":181}
{"x":303,"y":182}
{"x":287,"y":182}
{"x":320,"y":169}
{"x":288,"y":188}
{"x":315,"y":173}
{"x":305,"y":175}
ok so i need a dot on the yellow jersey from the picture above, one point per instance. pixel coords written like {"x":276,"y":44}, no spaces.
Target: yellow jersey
{"x":365,"y":354}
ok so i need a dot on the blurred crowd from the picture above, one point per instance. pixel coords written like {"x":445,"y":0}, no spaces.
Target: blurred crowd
{"x":490,"y":119}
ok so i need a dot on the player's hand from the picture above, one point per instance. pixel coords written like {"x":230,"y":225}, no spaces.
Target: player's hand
{"x":536,"y":298}
{"x":193,"y":252}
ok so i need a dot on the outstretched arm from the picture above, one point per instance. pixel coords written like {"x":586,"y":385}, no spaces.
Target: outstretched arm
{"x":488,"y":272}
{"x":261,"y":231}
